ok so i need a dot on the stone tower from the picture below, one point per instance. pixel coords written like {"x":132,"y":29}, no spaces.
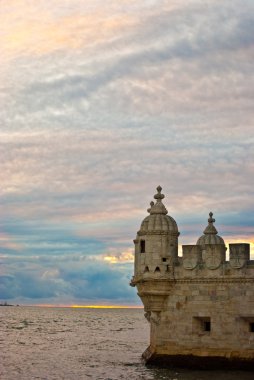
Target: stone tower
{"x":200,"y":306}
{"x":156,"y":244}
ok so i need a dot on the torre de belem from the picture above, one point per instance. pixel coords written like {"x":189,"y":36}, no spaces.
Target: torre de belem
{"x":200,"y":306}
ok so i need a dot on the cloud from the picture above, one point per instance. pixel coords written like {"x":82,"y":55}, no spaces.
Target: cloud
{"x":123,"y":257}
{"x":44,"y":32}
{"x":93,"y":280}
{"x":101,"y":102}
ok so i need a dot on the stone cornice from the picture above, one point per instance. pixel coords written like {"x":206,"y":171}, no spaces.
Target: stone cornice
{"x":222,"y":280}
{"x":204,"y":280}
{"x":169,"y":233}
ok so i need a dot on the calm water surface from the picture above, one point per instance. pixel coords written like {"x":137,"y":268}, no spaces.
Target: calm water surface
{"x":62,"y":343}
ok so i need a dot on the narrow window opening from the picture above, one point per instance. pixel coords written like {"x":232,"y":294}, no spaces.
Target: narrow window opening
{"x":207,"y":326}
{"x":157,"y":269}
{"x":201,"y":325}
{"x":142,"y":246}
{"x":252,"y":327}
{"x":164,"y":259}
{"x":146,"y":269}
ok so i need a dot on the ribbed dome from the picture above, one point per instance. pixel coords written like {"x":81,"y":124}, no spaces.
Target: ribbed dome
{"x":210,"y":239}
{"x":158,"y":220}
{"x":210,"y":234}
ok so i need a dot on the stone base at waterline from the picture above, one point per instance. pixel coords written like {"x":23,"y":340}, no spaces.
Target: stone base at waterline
{"x":197,"y":362}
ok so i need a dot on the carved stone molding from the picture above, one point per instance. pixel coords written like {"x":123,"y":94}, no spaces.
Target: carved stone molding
{"x":153,"y":317}
{"x":213,"y":255}
{"x":148,"y":315}
{"x":218,"y":280}
{"x":191,"y":256}
{"x":239,"y":254}
{"x":155,"y":232}
{"x":171,"y":281}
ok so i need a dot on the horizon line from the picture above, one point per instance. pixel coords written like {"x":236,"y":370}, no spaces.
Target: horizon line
{"x":89,"y":306}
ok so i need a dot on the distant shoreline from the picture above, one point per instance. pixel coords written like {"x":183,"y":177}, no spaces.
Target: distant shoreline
{"x":7,"y":304}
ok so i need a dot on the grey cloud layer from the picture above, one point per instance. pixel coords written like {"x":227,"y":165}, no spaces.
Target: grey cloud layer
{"x":88,"y":133}
{"x":209,"y":38}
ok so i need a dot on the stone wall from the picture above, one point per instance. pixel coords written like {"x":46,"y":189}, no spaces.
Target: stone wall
{"x":200,"y":312}
{"x":206,"y":318}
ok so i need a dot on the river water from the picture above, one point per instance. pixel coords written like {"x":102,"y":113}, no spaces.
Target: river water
{"x":65,"y":343}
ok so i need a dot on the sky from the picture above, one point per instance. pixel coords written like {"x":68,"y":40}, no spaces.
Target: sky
{"x":101,"y":102}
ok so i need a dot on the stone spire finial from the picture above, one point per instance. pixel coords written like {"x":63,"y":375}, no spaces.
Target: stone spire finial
{"x":159,"y":195}
{"x":210,"y":229}
{"x":211,"y":219}
{"x":158,"y":207}
{"x":149,"y":209}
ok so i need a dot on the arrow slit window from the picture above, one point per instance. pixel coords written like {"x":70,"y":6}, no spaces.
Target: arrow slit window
{"x":142,"y":246}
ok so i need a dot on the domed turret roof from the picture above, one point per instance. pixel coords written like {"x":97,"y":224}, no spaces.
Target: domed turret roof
{"x":210,"y":234}
{"x":158,"y":220}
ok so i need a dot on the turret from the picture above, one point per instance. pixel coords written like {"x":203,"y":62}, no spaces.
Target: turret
{"x":210,"y":234}
{"x":156,"y":243}
{"x":212,"y":246}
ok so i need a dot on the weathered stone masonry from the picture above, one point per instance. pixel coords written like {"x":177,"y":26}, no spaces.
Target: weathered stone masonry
{"x":200,"y":307}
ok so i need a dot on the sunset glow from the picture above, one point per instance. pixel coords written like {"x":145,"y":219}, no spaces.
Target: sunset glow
{"x":106,"y":307}
{"x":90,"y":306}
